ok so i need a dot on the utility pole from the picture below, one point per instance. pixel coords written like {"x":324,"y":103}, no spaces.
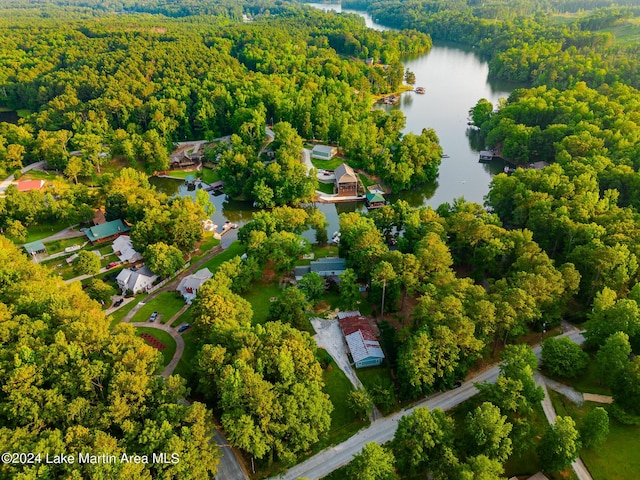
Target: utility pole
{"x":384,"y":288}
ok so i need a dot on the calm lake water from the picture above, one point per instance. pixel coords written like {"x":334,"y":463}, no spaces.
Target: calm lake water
{"x":454,"y":79}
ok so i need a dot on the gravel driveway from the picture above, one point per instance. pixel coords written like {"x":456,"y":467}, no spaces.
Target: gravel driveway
{"x":329,"y":337}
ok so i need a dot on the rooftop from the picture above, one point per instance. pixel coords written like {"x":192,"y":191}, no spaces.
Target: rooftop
{"x":344,"y":173}
{"x":34,"y":247}
{"x":105,"y":230}
{"x":28,"y":185}
{"x":360,"y":338}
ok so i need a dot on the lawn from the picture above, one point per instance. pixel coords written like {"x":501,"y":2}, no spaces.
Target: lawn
{"x":327,"y":164}
{"x":344,"y":422}
{"x":207,"y":243}
{"x":375,"y":377}
{"x":38,"y":232}
{"x":326,"y":188}
{"x":232,"y":251}
{"x":619,"y":457}
{"x":209,"y":175}
{"x":165,"y":338}
{"x":185,"y":365}
{"x":57,"y":246}
{"x":259,"y":296}
{"x":118,"y":315}
{"x":167,"y":304}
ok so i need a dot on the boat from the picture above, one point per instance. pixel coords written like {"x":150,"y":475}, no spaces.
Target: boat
{"x":445,"y":156}
{"x":420,"y":90}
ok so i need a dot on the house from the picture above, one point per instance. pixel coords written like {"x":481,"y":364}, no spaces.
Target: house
{"x":98,"y":217}
{"x":538,"y":165}
{"x":106,"y":231}
{"x":375,"y":200}
{"x":135,"y":280}
{"x":362,"y":342}
{"x":34,"y":248}
{"x":346,"y":180}
{"x":28,"y":185}
{"x":486,"y":156}
{"x":324,"y":152}
{"x":188,"y":286}
{"x":328,"y":267}
{"x":123,"y":248}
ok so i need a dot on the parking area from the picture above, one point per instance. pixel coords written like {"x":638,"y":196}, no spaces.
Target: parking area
{"x":329,"y":336}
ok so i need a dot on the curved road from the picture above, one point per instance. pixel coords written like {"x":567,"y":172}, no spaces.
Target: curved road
{"x":383,"y":430}
{"x":175,"y":335}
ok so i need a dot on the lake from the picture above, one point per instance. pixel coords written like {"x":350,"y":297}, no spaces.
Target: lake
{"x":454,"y":78}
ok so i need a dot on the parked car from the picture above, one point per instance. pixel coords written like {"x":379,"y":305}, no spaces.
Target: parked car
{"x":183,"y":327}
{"x":153,"y":317}
{"x":113,"y":264}
{"x":457,"y":384}
{"x":118,"y":302}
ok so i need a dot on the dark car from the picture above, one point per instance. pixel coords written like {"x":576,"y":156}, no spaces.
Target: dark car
{"x":153,"y":317}
{"x":183,"y":327}
{"x":118,"y":302}
{"x":458,"y":384}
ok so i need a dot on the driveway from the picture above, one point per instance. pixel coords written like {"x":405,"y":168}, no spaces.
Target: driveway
{"x":578,"y":465}
{"x":329,"y":337}
{"x":383,"y":430}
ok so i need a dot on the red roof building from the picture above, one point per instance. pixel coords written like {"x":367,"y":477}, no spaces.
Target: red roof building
{"x":361,"y":340}
{"x":28,"y":185}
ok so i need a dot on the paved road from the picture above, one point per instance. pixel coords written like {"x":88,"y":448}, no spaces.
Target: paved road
{"x":383,"y":430}
{"x":229,"y":467}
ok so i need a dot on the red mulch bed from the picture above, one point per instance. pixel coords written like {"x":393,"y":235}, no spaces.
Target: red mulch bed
{"x":153,"y":341}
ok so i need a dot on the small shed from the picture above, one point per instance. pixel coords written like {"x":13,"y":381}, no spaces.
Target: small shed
{"x":486,"y":156}
{"x":324,"y":152}
{"x":375,"y":200}
{"x":34,"y":248}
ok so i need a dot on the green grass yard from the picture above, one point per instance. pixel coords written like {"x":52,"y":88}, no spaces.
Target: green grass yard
{"x":167,"y":304}
{"x":209,"y":175}
{"x":119,"y":314}
{"x":327,"y":164}
{"x":619,"y":457}
{"x":164,"y":337}
{"x":259,"y":296}
{"x":38,"y":232}
{"x":326,"y":188}
{"x":232,"y":251}
{"x":344,"y":422}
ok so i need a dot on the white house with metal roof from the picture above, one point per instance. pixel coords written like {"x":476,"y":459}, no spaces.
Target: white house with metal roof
{"x":189,"y":285}
{"x":123,"y":248}
{"x":136,"y":280}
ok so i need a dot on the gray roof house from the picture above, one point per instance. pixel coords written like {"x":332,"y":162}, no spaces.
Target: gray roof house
{"x":328,"y":267}
{"x":123,"y":248}
{"x":346,"y":180}
{"x":324,"y":152}
{"x":136,"y":280}
{"x":189,"y":285}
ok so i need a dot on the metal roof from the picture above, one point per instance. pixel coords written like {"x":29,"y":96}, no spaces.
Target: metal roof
{"x":105,"y":230}
{"x":360,"y":338}
{"x":34,"y":247}
{"x":324,"y":149}
{"x":345,"y":174}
